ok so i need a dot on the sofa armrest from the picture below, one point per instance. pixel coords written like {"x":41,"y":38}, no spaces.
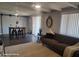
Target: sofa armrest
{"x":76,"y":54}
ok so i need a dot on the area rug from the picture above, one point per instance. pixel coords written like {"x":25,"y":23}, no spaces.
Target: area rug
{"x":21,"y":40}
{"x":30,"y":50}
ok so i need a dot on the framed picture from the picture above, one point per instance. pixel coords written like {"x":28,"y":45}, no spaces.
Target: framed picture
{"x":49,"y":22}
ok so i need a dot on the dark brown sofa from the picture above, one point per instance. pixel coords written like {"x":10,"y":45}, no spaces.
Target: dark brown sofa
{"x":59,"y":42}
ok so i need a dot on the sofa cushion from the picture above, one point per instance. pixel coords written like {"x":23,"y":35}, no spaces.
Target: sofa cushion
{"x":55,"y":42}
{"x":49,"y":35}
{"x":66,"y":39}
{"x":56,"y":46}
{"x":51,"y":41}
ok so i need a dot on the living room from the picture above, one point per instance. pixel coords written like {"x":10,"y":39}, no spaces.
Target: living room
{"x":50,"y":27}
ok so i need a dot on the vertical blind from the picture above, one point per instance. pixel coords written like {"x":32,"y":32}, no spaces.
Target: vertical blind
{"x":70,"y":24}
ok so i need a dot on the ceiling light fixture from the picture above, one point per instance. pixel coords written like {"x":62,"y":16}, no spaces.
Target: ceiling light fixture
{"x":37,"y":6}
{"x":16,"y":14}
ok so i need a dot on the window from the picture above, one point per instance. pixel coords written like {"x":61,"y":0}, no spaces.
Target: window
{"x":70,"y":24}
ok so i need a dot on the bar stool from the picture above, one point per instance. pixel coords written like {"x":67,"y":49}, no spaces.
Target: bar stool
{"x":22,"y":32}
{"x":14,"y":33}
{"x":19,"y":32}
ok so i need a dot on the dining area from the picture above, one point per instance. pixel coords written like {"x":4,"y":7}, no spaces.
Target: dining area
{"x":16,"y":32}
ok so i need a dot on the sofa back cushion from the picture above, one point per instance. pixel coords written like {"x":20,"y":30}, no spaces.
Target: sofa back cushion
{"x":66,"y":39}
{"x":49,"y":35}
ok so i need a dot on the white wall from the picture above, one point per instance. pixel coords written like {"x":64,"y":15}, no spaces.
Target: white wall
{"x":56,"y":16}
{"x":11,"y":21}
{"x":29,"y":24}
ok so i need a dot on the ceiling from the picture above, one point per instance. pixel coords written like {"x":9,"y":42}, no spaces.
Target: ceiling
{"x":26,"y":8}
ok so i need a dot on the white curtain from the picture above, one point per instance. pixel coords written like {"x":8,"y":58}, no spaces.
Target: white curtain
{"x":70,"y":24}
